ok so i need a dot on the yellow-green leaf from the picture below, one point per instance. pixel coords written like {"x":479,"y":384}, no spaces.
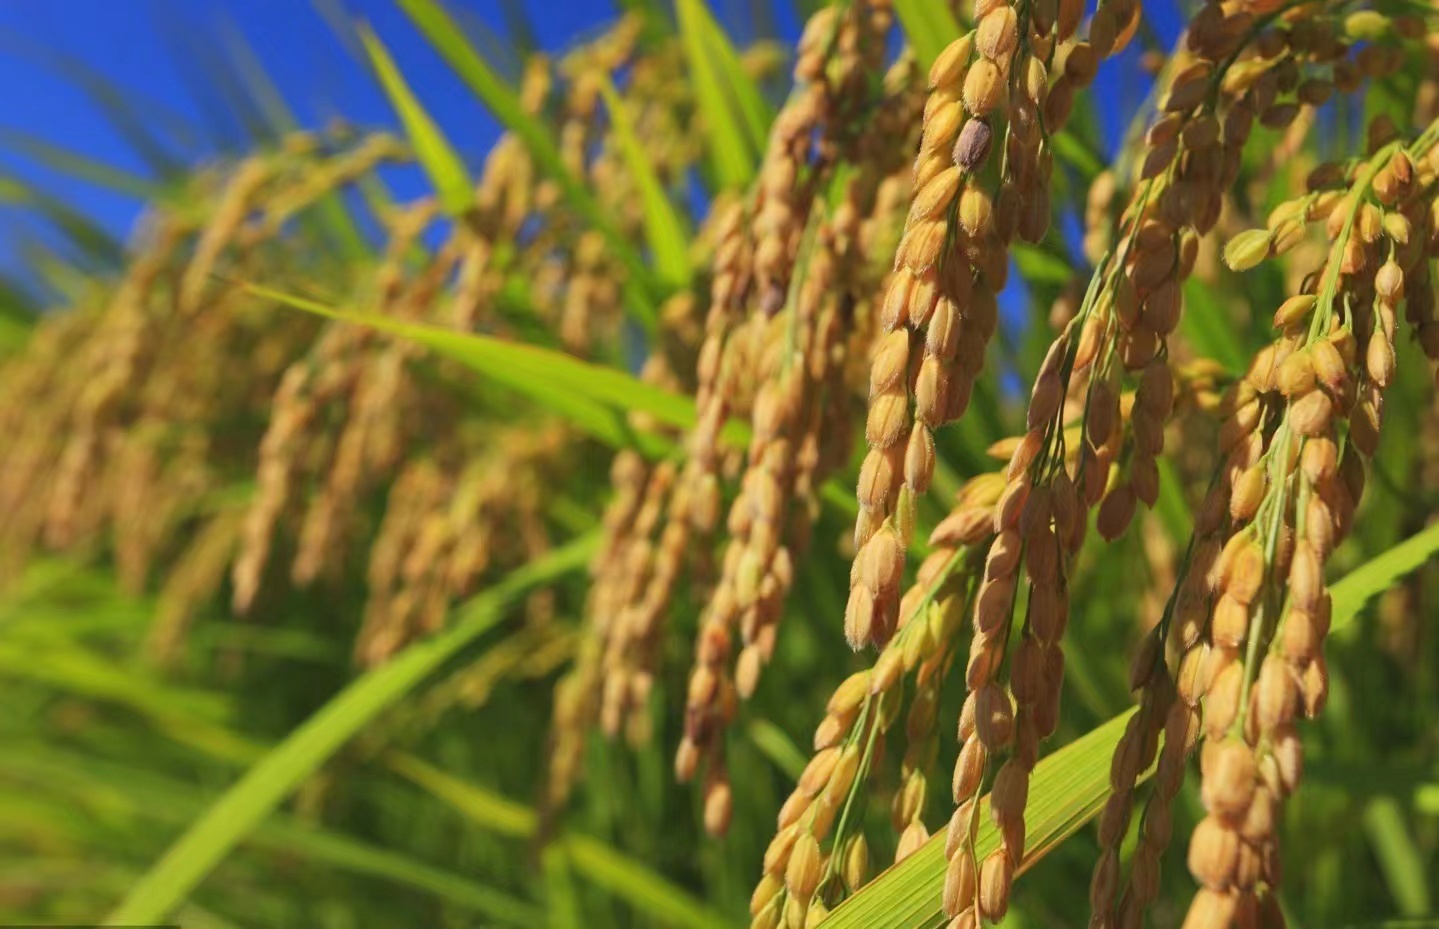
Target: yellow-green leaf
{"x":929,"y":26}
{"x":242,"y":808}
{"x":566,"y":384}
{"x":664,"y":230}
{"x":1377,"y":575}
{"x":445,"y":169}
{"x":755,"y":112}
{"x":1068,"y":789}
{"x":734,"y":160}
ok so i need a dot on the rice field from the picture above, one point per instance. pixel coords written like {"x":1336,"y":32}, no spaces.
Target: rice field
{"x":878,"y":463}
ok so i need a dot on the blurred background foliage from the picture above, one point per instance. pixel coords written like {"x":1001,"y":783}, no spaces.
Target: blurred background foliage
{"x":393,"y":783}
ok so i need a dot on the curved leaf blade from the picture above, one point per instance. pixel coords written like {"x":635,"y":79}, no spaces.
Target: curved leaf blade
{"x":598,"y":863}
{"x":929,"y":27}
{"x":242,"y":808}
{"x":733,"y":158}
{"x":565,"y":384}
{"x":1068,"y":789}
{"x":664,"y":230}
{"x":755,"y":112}
{"x":1377,"y":575}
{"x":443,"y":166}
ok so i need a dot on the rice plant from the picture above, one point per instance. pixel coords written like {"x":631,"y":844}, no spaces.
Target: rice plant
{"x":867,"y":480}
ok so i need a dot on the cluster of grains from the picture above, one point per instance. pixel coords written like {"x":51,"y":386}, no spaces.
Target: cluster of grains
{"x":1253,"y":71}
{"x":820,"y":852}
{"x":1302,"y":421}
{"x":939,"y":311}
{"x":353,"y":375}
{"x":133,"y":416}
{"x":1039,"y":519}
{"x":448,"y":523}
{"x":109,"y":410}
{"x":1038,"y":522}
{"x":769,"y":518}
{"x":649,"y":525}
{"x":752,"y":242}
{"x":364,"y":381}
{"x":647,"y":530}
{"x":808,"y":280}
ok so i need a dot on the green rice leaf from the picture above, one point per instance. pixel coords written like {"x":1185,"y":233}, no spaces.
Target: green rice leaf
{"x":778,"y":747}
{"x":242,"y":808}
{"x":83,"y":233}
{"x":928,"y":26}
{"x":630,"y":880}
{"x":755,"y":112}
{"x":1068,"y":789}
{"x":82,"y":167}
{"x":564,"y":907}
{"x":140,"y":795}
{"x":590,"y":858}
{"x":664,"y":229}
{"x":1400,"y":859}
{"x":1040,"y":266}
{"x":445,"y":169}
{"x":1377,"y":575}
{"x":567,"y":385}
{"x":1208,"y":325}
{"x":725,"y":128}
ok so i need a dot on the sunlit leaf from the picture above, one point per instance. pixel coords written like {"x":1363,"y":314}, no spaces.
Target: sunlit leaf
{"x":734,"y":158}
{"x":664,"y":229}
{"x":1067,"y":790}
{"x":443,"y":165}
{"x":571,"y":387}
{"x":1369,"y":580}
{"x":929,"y":27}
{"x":212,"y":836}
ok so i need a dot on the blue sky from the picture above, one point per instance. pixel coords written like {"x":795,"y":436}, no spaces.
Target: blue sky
{"x":142,"y":47}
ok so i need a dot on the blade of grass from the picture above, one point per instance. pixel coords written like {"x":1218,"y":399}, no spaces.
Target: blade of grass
{"x":358,"y":857}
{"x":1377,"y":575}
{"x":260,"y":790}
{"x":560,"y":889}
{"x":664,"y":230}
{"x":91,"y":240}
{"x":83,"y":167}
{"x":778,"y":747}
{"x":534,"y":371}
{"x":590,"y":858}
{"x":1400,"y":859}
{"x":754,"y":110}
{"x":443,"y":166}
{"x":500,"y":99}
{"x":1207,"y":325}
{"x":251,"y":74}
{"x":229,"y":121}
{"x":85,"y":780}
{"x":928,"y":26}
{"x":1068,"y":789}
{"x":734,"y":159}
